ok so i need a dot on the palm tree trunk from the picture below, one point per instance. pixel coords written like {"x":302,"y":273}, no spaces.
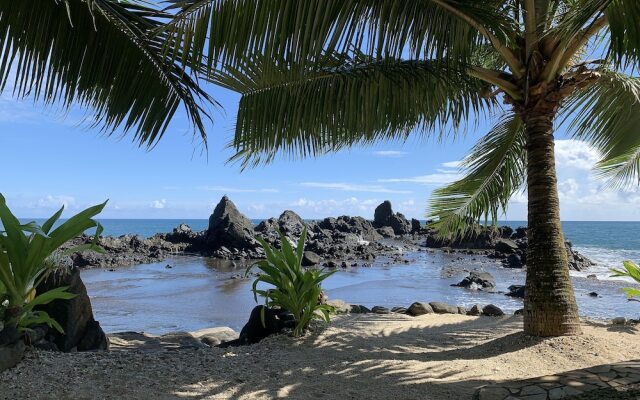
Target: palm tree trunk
{"x":550,"y":307}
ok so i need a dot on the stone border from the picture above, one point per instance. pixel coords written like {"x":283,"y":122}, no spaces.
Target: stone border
{"x":564,"y":385}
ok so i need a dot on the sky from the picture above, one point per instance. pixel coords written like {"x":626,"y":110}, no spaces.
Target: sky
{"x":50,"y":159}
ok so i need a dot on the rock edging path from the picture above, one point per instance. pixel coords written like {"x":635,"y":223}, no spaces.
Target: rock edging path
{"x":566,"y":385}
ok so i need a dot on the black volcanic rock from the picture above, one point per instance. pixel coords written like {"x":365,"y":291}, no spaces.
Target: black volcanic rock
{"x":229,"y":227}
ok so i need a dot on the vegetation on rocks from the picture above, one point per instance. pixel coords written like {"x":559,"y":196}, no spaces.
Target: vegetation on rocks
{"x":27,"y":257}
{"x":295,"y":289}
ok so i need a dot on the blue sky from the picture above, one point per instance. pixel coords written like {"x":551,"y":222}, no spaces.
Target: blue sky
{"x":50,"y":160}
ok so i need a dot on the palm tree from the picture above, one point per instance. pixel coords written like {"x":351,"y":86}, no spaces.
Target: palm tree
{"x":100,"y":55}
{"x":318,"y":76}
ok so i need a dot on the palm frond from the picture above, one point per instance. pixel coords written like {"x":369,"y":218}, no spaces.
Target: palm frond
{"x":286,"y":108}
{"x":624,"y":27}
{"x":607,"y":115}
{"x":97,"y":54}
{"x":495,"y":170}
{"x":229,"y":32}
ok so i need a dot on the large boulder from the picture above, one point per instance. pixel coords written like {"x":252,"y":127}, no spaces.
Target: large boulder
{"x":477,"y":280}
{"x":382,"y":214}
{"x":516,"y":291}
{"x":258,"y":328}
{"x":291,"y":224}
{"x":443,"y":308}
{"x":399,"y":224}
{"x":416,"y":226}
{"x":81,"y":331}
{"x":419,"y":308}
{"x":230,"y":228}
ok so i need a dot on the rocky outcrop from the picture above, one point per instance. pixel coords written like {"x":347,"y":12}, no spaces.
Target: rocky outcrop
{"x":477,"y":280}
{"x":384,"y":216}
{"x":291,"y":224}
{"x":81,"y":331}
{"x":355,"y":225}
{"x":229,"y":228}
{"x":502,"y":243}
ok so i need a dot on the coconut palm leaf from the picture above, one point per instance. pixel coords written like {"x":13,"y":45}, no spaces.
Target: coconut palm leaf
{"x":228,"y":32}
{"x":607,"y":115}
{"x":96,"y":54}
{"x":300,"y":112}
{"x":495,"y":170}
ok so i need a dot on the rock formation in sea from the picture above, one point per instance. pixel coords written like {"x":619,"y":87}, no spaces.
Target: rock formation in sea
{"x":341,"y":241}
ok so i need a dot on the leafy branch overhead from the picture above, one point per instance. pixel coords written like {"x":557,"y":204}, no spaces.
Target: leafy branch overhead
{"x":321,"y":75}
{"x":100,"y":55}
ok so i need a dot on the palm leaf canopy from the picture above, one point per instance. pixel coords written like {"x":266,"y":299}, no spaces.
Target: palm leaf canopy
{"x":321,"y":75}
{"x":98,"y":54}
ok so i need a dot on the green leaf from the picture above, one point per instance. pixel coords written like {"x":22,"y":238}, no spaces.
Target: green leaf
{"x":100,"y":55}
{"x":495,"y":170}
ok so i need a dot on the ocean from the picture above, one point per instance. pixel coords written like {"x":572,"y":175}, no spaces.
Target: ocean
{"x":199,"y":292}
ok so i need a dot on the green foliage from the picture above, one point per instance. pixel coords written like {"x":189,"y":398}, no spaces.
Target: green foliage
{"x":27,"y":256}
{"x":495,"y":170}
{"x":98,"y":54}
{"x":294,"y":289}
{"x":631,"y":270}
{"x":607,"y":115}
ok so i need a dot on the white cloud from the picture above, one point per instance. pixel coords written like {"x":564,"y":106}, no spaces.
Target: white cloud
{"x":390,"y":153}
{"x":51,"y":201}
{"x":351,"y":187}
{"x":568,"y":188}
{"x":159,"y":204}
{"x":452,"y":164}
{"x":228,"y":189}
{"x":442,"y":177}
{"x":576,"y":154}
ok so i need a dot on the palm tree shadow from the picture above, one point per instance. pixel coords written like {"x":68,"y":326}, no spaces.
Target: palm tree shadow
{"x":395,"y":363}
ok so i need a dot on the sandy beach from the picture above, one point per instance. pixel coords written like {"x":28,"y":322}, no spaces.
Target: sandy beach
{"x":356,"y":356}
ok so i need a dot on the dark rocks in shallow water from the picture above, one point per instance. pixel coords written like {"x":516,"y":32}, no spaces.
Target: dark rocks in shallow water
{"x":382,"y":214}
{"x":291,"y":224}
{"x":228,"y":227}
{"x":492,"y":311}
{"x":443,"y":308}
{"x":416,"y":226}
{"x":81,"y":331}
{"x":384,"y":217}
{"x":399,"y":310}
{"x":419,"y":308}
{"x":309,"y":259}
{"x":520,"y":233}
{"x":519,"y":311}
{"x":386,"y":232}
{"x":506,"y":246}
{"x":514,"y":261}
{"x":593,"y":294}
{"x":477,"y":280}
{"x":516,"y":291}
{"x":356,"y":225}
{"x":475,"y":310}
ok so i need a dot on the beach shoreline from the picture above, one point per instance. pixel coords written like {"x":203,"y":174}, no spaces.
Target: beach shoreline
{"x":355,"y":356}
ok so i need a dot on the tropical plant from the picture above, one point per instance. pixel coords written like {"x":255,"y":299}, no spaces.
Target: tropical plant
{"x":294,"y":289}
{"x":317,"y":76}
{"x":27,"y":256}
{"x":631,"y":270}
{"x":100,"y":55}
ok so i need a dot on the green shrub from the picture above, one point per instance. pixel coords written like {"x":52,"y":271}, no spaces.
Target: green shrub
{"x":631,"y":270}
{"x":294,"y":289}
{"x":27,"y":256}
